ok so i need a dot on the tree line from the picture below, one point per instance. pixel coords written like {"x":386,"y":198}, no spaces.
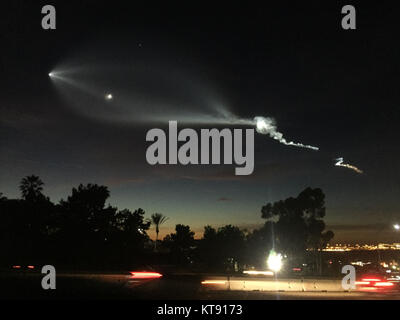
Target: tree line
{"x":83,"y":231}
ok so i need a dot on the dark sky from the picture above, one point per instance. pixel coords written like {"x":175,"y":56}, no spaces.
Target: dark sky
{"x":325,"y":86}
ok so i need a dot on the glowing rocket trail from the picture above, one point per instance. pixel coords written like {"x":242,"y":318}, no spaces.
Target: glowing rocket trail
{"x":153,"y":111}
{"x":122,"y":110}
{"x":268,"y":126}
{"x":340,"y":163}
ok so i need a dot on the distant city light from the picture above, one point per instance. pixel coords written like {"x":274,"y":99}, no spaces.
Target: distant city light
{"x":274,"y":261}
{"x":360,"y":263}
{"x":346,"y":247}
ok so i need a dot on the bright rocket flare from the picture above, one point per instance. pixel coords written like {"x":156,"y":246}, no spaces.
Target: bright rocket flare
{"x":268,"y":126}
{"x":340,"y":163}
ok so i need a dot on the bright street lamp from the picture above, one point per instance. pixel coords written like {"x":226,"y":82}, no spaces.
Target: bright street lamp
{"x":274,"y":261}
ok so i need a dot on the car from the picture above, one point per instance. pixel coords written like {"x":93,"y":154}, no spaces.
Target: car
{"x":376,"y":281}
{"x":23,"y":268}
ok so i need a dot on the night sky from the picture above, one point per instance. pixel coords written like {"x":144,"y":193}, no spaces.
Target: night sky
{"x":335,"y":89}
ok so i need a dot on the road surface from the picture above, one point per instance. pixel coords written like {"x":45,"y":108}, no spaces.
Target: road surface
{"x":180,"y":287}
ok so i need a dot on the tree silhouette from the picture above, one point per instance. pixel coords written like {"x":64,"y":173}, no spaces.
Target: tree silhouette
{"x":31,"y":188}
{"x":84,"y":231}
{"x":79,"y":232}
{"x":222,"y":249}
{"x":181,"y":244}
{"x":85,"y":222}
{"x":157,"y":219}
{"x":259,"y":243}
{"x":130,"y":235}
{"x":26,"y":222}
{"x":299,"y":225}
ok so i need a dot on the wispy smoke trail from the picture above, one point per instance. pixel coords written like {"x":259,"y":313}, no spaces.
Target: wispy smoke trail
{"x":340,"y":163}
{"x":268,"y":126}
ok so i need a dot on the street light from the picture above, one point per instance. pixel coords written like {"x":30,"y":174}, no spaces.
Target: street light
{"x":396,"y":226}
{"x":274,"y":261}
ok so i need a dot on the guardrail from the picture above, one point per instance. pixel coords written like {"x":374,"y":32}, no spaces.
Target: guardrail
{"x":252,"y":284}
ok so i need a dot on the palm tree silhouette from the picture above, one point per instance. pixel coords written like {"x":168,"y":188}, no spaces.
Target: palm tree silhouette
{"x":31,"y":187}
{"x":157,"y":219}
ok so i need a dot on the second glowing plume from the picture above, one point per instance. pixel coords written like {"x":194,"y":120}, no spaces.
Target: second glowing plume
{"x":268,"y":126}
{"x":340,"y":163}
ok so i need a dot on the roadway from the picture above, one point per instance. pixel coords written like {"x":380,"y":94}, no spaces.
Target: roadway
{"x":180,"y":287}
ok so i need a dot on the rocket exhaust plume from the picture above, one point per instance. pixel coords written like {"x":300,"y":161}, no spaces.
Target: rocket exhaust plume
{"x":340,"y":163}
{"x":268,"y":126}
